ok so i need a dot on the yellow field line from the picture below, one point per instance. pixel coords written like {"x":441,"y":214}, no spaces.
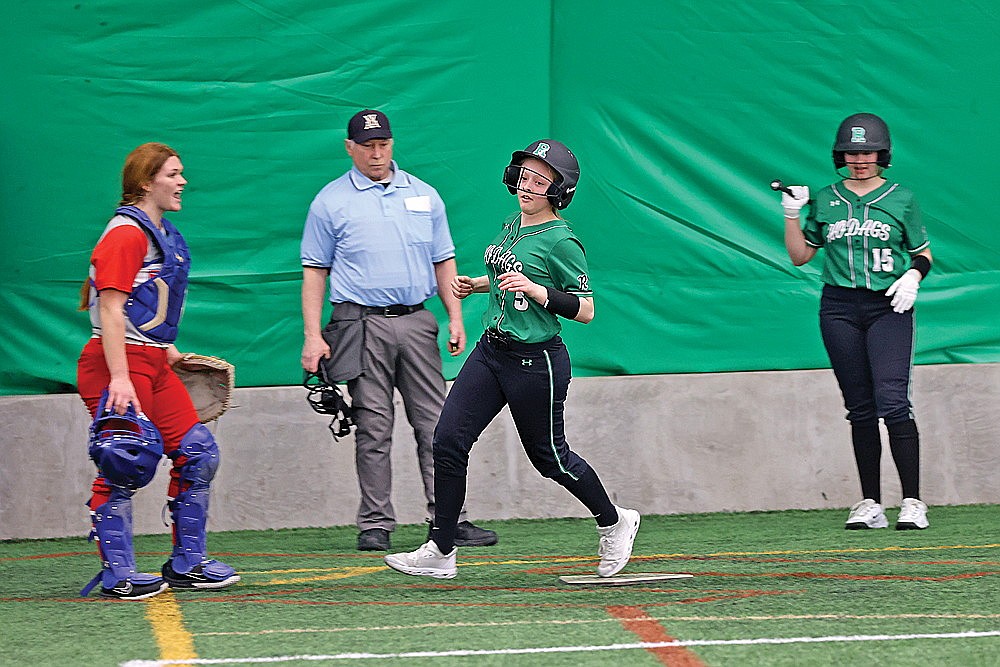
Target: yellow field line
{"x":173,"y":639}
{"x":343,"y":574}
{"x":348,"y":572}
{"x":334,"y":573}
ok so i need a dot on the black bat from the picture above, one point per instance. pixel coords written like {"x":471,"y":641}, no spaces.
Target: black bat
{"x":777,"y":186}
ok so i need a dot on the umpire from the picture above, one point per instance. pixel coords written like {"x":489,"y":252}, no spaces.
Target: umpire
{"x":380,"y":238}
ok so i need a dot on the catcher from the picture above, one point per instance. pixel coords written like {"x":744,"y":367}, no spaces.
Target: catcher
{"x":125,"y":375}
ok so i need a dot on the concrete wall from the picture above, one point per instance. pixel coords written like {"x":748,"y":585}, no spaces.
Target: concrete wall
{"x":664,"y":444}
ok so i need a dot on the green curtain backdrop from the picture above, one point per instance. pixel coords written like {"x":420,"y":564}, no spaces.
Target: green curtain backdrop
{"x":681,"y":113}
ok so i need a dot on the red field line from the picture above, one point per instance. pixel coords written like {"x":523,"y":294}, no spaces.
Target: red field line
{"x":226,"y":554}
{"x":648,"y":629}
{"x":281,"y":597}
{"x":849,"y":577}
{"x":67,"y":554}
{"x":835,"y":561}
{"x":286,"y":596}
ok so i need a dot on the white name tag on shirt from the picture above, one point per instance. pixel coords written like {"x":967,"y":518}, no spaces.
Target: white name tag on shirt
{"x":420,"y":204}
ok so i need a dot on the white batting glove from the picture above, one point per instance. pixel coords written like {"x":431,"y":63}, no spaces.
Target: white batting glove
{"x":904,"y":291}
{"x":793,"y":203}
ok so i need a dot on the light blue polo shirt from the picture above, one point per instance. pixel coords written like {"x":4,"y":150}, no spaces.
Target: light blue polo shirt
{"x":380,"y":245}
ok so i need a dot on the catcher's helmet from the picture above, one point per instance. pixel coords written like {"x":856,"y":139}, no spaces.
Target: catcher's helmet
{"x":862,"y":133}
{"x":326,"y":399}
{"x":126,"y":448}
{"x":559,"y":158}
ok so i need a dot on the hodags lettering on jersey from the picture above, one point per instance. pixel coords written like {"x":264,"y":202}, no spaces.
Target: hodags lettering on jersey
{"x":501,"y":260}
{"x":854,"y":227}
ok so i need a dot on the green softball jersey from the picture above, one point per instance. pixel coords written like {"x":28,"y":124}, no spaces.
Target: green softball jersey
{"x":868,"y":239}
{"x":548,"y":254}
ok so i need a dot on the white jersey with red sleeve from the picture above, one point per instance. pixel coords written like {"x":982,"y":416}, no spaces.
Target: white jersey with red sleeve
{"x":123,"y":258}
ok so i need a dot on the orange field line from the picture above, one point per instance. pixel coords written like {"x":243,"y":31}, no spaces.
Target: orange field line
{"x":848,"y":577}
{"x":543,"y":558}
{"x":649,"y":630}
{"x":588,"y":621}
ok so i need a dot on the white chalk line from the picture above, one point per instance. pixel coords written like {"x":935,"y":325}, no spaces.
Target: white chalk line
{"x":560,"y":649}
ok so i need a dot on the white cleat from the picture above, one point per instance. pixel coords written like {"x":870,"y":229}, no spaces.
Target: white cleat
{"x":615,"y":547}
{"x":866,"y":514}
{"x":427,"y":561}
{"x":912,"y":515}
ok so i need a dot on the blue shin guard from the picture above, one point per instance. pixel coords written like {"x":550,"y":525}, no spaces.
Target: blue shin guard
{"x":189,"y":566}
{"x":113,"y":531}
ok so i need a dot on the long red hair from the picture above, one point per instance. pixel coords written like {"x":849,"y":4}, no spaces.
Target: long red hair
{"x":141,"y":167}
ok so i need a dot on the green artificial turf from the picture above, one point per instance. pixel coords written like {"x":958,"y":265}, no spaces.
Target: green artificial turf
{"x":759,"y":577}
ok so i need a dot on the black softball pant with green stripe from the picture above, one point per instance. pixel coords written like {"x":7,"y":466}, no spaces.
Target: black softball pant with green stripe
{"x":871,"y":352}
{"x":532,"y":380}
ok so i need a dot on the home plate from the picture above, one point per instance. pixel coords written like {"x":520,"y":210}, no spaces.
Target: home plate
{"x":619,"y":579}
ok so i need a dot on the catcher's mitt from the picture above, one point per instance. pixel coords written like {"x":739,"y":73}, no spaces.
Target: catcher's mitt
{"x":209,"y":381}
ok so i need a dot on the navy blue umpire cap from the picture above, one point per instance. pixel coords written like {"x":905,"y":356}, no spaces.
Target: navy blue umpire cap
{"x":367,"y":125}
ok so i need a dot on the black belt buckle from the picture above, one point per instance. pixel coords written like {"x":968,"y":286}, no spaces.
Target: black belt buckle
{"x":498,"y":339}
{"x":395,"y":310}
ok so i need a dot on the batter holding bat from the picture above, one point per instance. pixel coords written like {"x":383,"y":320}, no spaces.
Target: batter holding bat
{"x":536,"y":273}
{"x":877,"y":254}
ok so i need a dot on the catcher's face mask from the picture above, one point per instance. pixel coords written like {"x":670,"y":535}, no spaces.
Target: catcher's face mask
{"x":126,"y":448}
{"x":326,"y":399}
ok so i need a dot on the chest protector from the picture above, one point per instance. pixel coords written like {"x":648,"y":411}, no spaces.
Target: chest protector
{"x":154,"y":307}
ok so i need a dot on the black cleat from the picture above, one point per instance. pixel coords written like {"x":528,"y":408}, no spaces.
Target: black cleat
{"x":134,"y":590}
{"x":209,"y":575}
{"x":373,"y":539}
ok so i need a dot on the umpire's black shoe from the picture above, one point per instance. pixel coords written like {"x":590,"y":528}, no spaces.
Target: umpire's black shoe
{"x":471,"y":535}
{"x":373,"y":539}
{"x":468,"y":534}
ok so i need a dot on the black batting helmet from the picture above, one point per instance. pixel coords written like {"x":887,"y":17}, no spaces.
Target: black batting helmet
{"x":862,"y":133}
{"x":559,"y":158}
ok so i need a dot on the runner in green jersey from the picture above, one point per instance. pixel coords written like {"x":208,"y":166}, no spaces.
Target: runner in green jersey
{"x":546,"y":253}
{"x":536,"y":270}
{"x":876,"y":254}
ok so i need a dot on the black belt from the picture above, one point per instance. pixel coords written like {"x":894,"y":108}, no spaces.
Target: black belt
{"x":395,"y":310}
{"x":503,"y":341}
